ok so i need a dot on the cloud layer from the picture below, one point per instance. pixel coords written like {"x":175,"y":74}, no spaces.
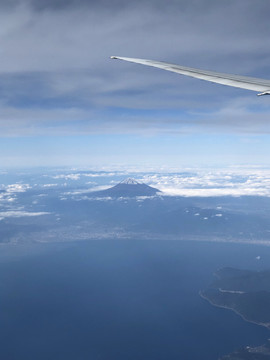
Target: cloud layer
{"x":241,"y":182}
{"x":56,"y":76}
{"x":234,"y":181}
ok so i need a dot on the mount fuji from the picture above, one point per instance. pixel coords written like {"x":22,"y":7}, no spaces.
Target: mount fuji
{"x":129,"y":188}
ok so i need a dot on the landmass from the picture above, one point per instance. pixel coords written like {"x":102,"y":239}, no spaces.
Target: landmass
{"x":249,"y":353}
{"x":248,"y":294}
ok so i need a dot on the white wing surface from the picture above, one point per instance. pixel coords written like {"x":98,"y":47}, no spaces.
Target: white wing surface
{"x":244,"y":82}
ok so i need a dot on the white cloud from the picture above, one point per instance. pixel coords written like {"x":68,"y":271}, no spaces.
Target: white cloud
{"x":18,"y":214}
{"x":17,"y":188}
{"x":9,"y":195}
{"x":86,"y":191}
{"x":105,"y":174}
{"x":227,"y":182}
{"x":67,"y":177}
{"x":96,"y":198}
{"x":79,"y":175}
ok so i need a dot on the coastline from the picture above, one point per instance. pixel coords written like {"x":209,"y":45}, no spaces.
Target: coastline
{"x":266,"y":325}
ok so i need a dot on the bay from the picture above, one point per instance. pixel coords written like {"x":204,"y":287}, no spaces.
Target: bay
{"x":121,"y":300}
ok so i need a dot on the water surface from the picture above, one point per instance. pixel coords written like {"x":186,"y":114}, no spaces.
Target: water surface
{"x":121,"y":300}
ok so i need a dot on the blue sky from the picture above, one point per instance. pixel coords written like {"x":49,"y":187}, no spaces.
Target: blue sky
{"x":144,"y":152}
{"x":64,"y":102}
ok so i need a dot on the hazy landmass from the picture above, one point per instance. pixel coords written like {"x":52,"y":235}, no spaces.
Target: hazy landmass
{"x":248,"y":294}
{"x":66,"y":207}
{"x":249,"y":353}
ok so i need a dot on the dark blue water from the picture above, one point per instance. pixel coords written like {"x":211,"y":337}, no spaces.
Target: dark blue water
{"x":121,"y":300}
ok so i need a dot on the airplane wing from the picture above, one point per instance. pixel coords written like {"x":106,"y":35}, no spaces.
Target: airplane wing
{"x":262,"y":86}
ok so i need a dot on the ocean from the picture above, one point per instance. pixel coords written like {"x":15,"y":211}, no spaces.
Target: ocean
{"x":120,"y":300}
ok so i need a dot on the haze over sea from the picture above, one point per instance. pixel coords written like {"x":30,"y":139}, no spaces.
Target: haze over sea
{"x":117,"y":299}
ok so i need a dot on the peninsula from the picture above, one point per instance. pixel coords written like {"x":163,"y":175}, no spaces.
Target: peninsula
{"x":248,"y":294}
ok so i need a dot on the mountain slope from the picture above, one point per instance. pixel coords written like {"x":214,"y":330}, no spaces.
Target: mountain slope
{"x":128,"y":188}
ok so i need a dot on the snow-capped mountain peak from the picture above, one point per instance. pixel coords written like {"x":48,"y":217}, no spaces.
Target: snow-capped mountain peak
{"x":129,"y":181}
{"x":129,"y":188}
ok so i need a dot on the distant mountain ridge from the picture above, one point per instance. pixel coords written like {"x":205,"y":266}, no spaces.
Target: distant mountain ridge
{"x":129,"y":188}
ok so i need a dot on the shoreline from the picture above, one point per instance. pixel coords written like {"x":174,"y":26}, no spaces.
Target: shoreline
{"x":267,"y":326}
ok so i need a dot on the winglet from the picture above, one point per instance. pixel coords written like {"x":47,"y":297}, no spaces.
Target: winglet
{"x":264,"y":93}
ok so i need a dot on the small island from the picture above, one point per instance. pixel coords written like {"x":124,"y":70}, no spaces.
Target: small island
{"x":248,"y":294}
